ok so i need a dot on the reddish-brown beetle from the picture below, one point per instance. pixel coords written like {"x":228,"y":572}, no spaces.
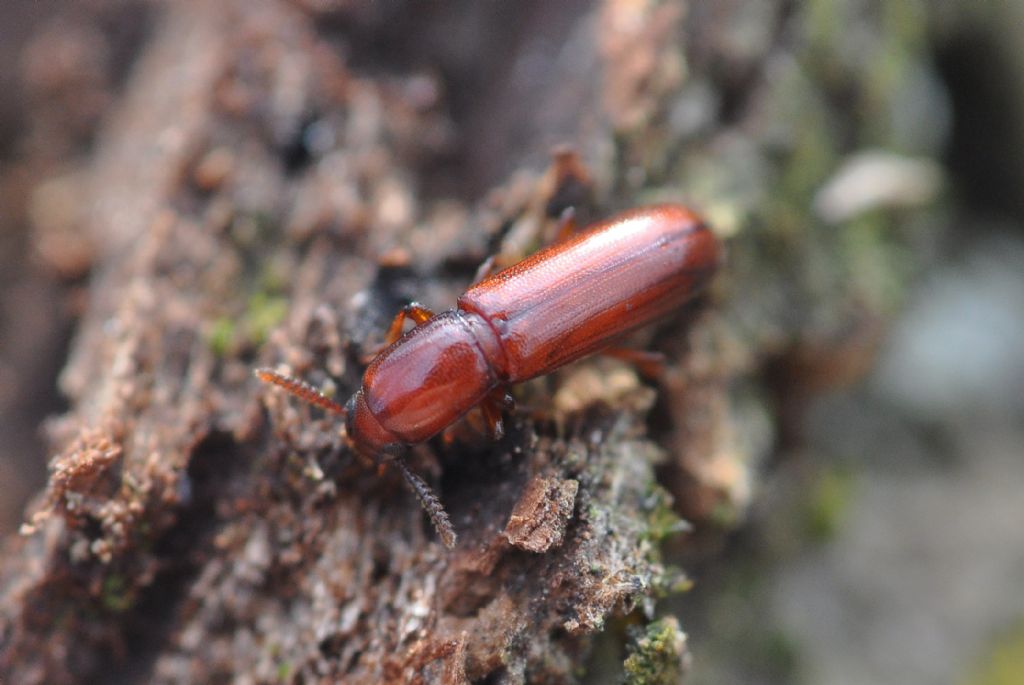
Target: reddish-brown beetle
{"x":564,"y":302}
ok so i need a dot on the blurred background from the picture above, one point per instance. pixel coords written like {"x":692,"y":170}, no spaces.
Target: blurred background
{"x":885,"y":538}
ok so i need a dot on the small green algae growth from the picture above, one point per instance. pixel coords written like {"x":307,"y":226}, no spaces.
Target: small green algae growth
{"x":877,"y":261}
{"x":828,"y":504}
{"x":725,"y":515}
{"x":116,"y":598}
{"x":1004,"y":664}
{"x":656,"y":656}
{"x":221,"y":336}
{"x":264,"y":312}
{"x":778,"y":653}
{"x":662,"y":520}
{"x":663,"y":523}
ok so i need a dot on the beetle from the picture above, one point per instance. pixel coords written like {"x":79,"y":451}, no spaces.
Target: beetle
{"x":562,"y":303}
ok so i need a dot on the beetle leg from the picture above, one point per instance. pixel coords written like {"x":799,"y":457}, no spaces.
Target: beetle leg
{"x":488,"y":268}
{"x":566,"y":224}
{"x":493,"y":419}
{"x":650,"y":365}
{"x":415,"y":311}
{"x":567,"y":184}
{"x":492,"y":407}
{"x":492,"y":412}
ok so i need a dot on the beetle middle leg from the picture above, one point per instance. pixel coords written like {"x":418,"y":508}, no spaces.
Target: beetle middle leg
{"x":493,"y":408}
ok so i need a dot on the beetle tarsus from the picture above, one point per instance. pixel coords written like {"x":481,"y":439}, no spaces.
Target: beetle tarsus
{"x":431,"y":504}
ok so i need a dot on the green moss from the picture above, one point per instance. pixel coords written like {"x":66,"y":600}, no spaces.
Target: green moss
{"x":779,"y":654}
{"x":662,"y":520}
{"x":877,"y":260}
{"x":891,"y":72}
{"x":221,"y":335}
{"x":828,"y":504}
{"x":656,"y":656}
{"x":823,"y":23}
{"x":680,"y":582}
{"x":284,"y":669}
{"x":1004,"y":665}
{"x":274,"y":275}
{"x":812,"y":155}
{"x":116,"y":596}
{"x":264,"y":312}
{"x":725,"y":515}
{"x":264,"y":309}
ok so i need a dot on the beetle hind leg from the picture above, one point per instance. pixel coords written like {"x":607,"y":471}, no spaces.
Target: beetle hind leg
{"x":650,"y":365}
{"x":567,"y":225}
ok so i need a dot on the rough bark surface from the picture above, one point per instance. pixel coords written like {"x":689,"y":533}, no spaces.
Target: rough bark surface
{"x":271,"y":188}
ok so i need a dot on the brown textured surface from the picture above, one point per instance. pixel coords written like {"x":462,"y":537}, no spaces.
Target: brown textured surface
{"x":275,"y":180}
{"x":182,"y":536}
{"x":540,"y":516}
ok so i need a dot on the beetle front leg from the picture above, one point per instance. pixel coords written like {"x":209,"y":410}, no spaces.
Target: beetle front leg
{"x":415,"y":311}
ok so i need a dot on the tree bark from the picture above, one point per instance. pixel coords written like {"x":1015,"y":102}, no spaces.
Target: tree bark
{"x":278,"y":179}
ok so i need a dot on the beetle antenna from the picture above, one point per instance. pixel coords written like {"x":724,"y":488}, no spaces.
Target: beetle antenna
{"x":301,"y":389}
{"x":431,"y":504}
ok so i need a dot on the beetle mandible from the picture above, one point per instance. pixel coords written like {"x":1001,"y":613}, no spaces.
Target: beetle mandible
{"x":564,"y":302}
